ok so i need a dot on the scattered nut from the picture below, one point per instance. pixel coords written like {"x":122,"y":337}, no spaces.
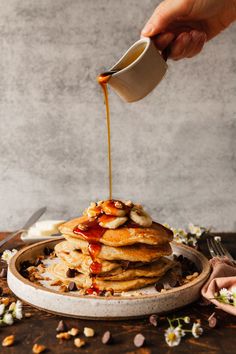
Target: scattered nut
{"x":79,"y":342}
{"x":139,"y":340}
{"x":38,"y":348}
{"x":107,"y":338}
{"x":28,"y":315}
{"x":63,"y":335}
{"x":73,"y":331}
{"x":212,"y":321}
{"x":8,"y":341}
{"x":192,"y":276}
{"x":5,"y":301}
{"x":88,"y":332}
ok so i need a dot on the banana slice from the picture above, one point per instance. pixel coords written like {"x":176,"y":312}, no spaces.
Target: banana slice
{"x":93,"y":210}
{"x":112,"y":222}
{"x":114,"y":207}
{"x":139,"y":216}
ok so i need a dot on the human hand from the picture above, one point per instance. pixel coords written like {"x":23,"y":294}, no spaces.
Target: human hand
{"x":185,"y":25}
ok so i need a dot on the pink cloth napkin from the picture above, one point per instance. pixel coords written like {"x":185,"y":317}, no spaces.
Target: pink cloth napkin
{"x":223,"y":276}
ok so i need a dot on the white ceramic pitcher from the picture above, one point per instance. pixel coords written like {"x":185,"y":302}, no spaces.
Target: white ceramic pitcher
{"x":138,"y":72}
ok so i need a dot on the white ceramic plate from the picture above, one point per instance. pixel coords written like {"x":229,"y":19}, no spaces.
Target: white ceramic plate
{"x":115,"y":307}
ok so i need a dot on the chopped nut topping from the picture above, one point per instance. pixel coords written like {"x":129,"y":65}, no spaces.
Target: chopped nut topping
{"x":88,"y":332}
{"x":63,"y":289}
{"x":83,"y":227}
{"x":73,"y":331}
{"x":118,"y":204}
{"x":38,"y":276}
{"x":63,"y":335}
{"x":79,"y":342}
{"x":128,"y":203}
{"x":31,"y":269}
{"x":38,"y":348}
{"x":8,"y":341}
{"x":41,"y":268}
{"x":56,"y":282}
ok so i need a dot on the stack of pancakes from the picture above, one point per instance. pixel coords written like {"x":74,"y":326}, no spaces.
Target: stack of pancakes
{"x":124,"y":258}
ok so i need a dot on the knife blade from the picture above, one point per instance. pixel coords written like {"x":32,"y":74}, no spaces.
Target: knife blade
{"x":34,"y":217}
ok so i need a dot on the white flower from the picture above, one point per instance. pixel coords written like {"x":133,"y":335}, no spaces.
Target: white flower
{"x":225,"y":295}
{"x":233,"y":291}
{"x":187,"y":319}
{"x":8,"y":319}
{"x":172,"y":336}
{"x":2,"y":309}
{"x":7,"y":255}
{"x":12,"y":307}
{"x":234,"y":296}
{"x":195,"y":230}
{"x":197,"y":330}
{"x":17,"y":311}
{"x":180,"y":236}
{"x":181,"y":331}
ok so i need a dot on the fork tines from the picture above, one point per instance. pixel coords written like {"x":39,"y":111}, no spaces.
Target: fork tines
{"x":217,"y":249}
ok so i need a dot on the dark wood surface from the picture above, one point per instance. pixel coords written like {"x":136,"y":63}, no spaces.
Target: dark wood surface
{"x":41,"y":327}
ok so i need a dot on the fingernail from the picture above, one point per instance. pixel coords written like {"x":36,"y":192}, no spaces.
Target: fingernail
{"x":197,"y":36}
{"x":186,"y":39}
{"x":148,"y":29}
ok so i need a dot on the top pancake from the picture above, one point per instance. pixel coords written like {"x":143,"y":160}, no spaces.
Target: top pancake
{"x":124,"y":236}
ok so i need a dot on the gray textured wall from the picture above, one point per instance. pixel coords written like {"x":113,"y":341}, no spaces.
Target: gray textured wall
{"x":174,"y":151}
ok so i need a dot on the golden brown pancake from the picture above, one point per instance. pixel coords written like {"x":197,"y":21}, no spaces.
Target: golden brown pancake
{"x":155,"y":269}
{"x":58,"y":271}
{"x":81,"y":262}
{"x":134,"y":253}
{"x":124,"y":236}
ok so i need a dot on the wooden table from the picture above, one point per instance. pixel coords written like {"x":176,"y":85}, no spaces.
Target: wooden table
{"x":41,"y":328}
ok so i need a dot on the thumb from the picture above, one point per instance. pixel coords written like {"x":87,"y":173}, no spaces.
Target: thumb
{"x":165,"y":13}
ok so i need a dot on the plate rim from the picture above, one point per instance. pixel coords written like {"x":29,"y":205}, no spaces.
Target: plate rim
{"x":204,"y":275}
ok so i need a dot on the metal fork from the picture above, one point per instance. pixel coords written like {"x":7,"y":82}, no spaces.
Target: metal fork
{"x":217,"y":249}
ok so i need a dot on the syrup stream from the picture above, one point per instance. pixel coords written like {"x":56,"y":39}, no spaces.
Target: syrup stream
{"x":103,"y":80}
